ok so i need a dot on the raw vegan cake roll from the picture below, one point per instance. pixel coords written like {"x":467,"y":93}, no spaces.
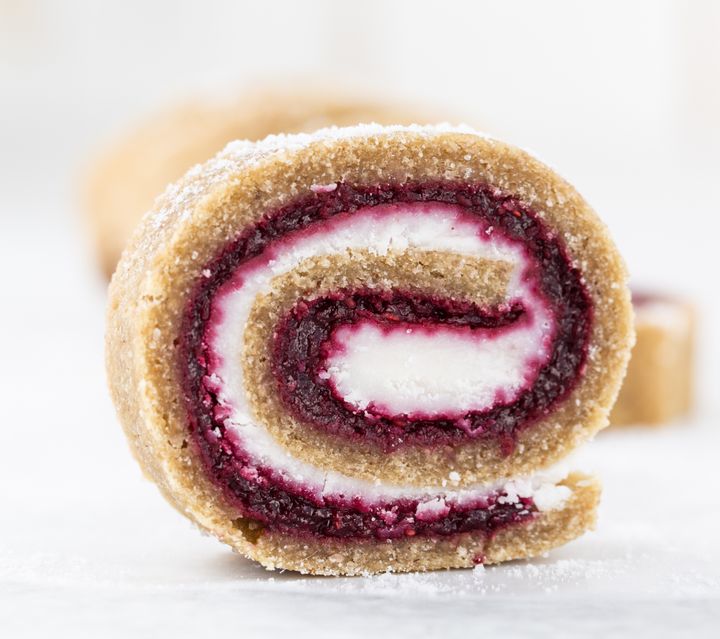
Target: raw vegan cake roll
{"x":658,"y":387}
{"x":127,"y":177}
{"x":369,"y":349}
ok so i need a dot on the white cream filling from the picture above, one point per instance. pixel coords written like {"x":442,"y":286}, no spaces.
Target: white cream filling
{"x":380,"y":230}
{"x":445,"y":371}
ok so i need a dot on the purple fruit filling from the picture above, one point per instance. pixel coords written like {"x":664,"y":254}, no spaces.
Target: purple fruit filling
{"x":278,"y":506}
{"x":275,"y":504}
{"x":300,"y":352}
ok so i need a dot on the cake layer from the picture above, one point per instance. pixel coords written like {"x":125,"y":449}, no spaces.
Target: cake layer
{"x":246,"y":319}
{"x":531,"y":537}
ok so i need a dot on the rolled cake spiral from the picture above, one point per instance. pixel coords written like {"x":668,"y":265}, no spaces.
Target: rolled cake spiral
{"x":370,"y":348}
{"x":127,"y":177}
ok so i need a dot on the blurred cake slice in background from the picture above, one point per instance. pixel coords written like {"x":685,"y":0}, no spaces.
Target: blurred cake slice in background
{"x":658,"y":387}
{"x":127,"y":176}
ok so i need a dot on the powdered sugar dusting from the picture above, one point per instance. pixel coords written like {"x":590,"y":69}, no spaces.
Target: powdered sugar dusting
{"x":241,"y":149}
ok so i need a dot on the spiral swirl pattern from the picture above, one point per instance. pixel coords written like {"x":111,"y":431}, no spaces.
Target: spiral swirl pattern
{"x":363,"y":362}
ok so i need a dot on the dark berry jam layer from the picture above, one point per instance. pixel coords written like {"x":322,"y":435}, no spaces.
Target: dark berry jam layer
{"x":279,"y":506}
{"x":300,"y":350}
{"x":261,"y":495}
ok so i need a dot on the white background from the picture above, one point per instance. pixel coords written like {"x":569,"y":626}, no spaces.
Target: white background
{"x":623,"y":98}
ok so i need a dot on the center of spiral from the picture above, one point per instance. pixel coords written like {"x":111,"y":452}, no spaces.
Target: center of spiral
{"x":426,"y":371}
